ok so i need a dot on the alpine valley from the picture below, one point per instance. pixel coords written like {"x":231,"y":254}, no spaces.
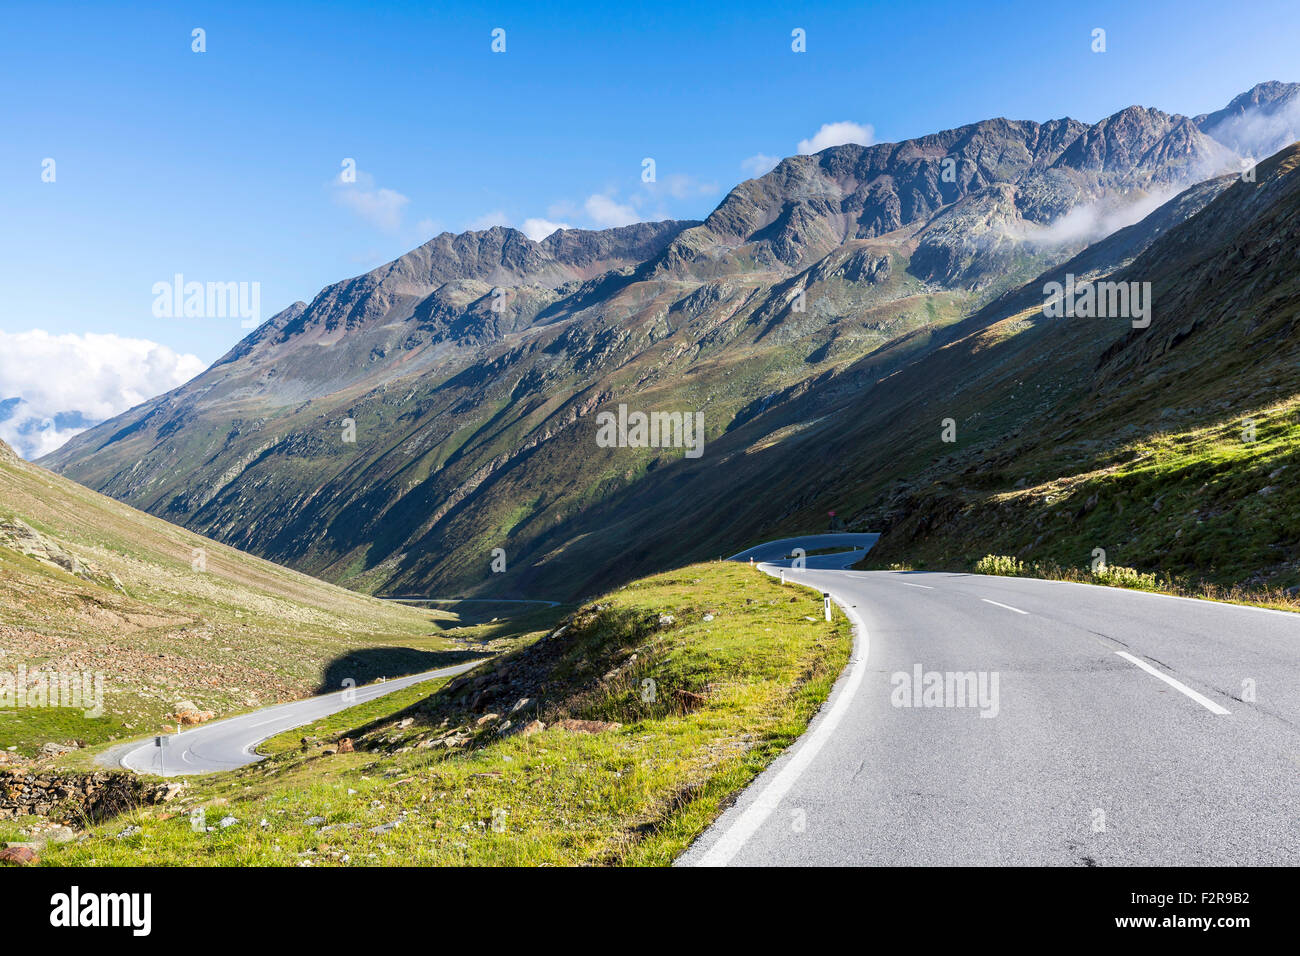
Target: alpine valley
{"x":824,"y":321}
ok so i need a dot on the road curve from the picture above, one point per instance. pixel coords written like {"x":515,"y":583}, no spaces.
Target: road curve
{"x":774,"y":552}
{"x":1115,"y":727}
{"x":227,"y":744}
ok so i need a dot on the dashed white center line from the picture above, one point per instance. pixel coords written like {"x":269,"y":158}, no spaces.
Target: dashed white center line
{"x":906,"y":585}
{"x":1201,"y":699}
{"x":1007,"y":606}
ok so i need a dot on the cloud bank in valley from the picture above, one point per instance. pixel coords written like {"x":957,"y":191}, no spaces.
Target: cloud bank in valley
{"x":55,"y":386}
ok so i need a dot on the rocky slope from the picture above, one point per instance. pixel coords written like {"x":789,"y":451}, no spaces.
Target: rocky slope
{"x":396,"y":430}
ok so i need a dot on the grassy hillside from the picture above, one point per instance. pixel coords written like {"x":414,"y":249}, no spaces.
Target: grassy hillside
{"x":1204,"y":510}
{"x":90,"y":584}
{"x":698,"y":679}
{"x":1170,"y":447}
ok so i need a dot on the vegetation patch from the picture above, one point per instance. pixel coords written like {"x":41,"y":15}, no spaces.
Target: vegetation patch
{"x":1209,"y":512}
{"x":614,"y":738}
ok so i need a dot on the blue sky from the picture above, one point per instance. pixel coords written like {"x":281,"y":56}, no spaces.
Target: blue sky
{"x":223,"y":165}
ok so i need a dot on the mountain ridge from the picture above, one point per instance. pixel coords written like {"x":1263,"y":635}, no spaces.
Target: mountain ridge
{"x":471,"y":421}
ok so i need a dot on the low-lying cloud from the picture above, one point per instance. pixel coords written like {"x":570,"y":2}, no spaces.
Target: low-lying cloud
{"x":54,"y":386}
{"x":1091,"y":222}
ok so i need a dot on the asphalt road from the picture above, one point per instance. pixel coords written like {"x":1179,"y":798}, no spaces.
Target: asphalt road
{"x":775,"y":552}
{"x":227,"y":744}
{"x":1124,"y":728}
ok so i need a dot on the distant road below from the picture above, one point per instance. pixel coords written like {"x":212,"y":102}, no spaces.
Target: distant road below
{"x":227,"y":744}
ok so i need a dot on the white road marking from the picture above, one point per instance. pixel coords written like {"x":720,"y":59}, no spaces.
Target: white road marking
{"x":1201,"y":699}
{"x":906,"y":585}
{"x":1007,"y":606}
{"x":747,"y":824}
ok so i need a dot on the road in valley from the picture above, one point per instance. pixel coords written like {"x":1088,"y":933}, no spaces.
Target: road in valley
{"x":227,"y":744}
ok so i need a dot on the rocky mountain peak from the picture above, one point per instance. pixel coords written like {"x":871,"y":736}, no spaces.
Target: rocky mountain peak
{"x":1258,"y":122}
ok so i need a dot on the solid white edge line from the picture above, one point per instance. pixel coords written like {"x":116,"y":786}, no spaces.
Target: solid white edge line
{"x":1007,"y":606}
{"x":1201,"y":699}
{"x":747,"y":823}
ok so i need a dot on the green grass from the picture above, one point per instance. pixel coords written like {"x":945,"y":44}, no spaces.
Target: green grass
{"x":29,"y":728}
{"x":1200,"y":512}
{"x":230,"y":634}
{"x":338,"y":725}
{"x":760,"y":667}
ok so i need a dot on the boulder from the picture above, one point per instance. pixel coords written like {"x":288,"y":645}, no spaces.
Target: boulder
{"x":19,"y":856}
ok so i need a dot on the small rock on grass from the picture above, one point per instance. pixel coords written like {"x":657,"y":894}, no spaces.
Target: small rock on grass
{"x":587,"y":726}
{"x":19,"y":856}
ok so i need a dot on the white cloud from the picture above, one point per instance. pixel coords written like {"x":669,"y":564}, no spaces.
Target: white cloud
{"x":606,"y":212}
{"x":539,"y":229}
{"x":1260,"y":132}
{"x":759,"y":164}
{"x":66,"y":383}
{"x":489,"y":219}
{"x":428,"y":227}
{"x":837,"y":134}
{"x":381,"y":207}
{"x":1089,"y":222}
{"x":682,"y":186}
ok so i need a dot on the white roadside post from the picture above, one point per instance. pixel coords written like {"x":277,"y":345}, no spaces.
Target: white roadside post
{"x":826,"y":597}
{"x":783,"y":575}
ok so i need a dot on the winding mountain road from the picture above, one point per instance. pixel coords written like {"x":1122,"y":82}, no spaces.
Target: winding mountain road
{"x":1010,"y":721}
{"x":227,"y":744}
